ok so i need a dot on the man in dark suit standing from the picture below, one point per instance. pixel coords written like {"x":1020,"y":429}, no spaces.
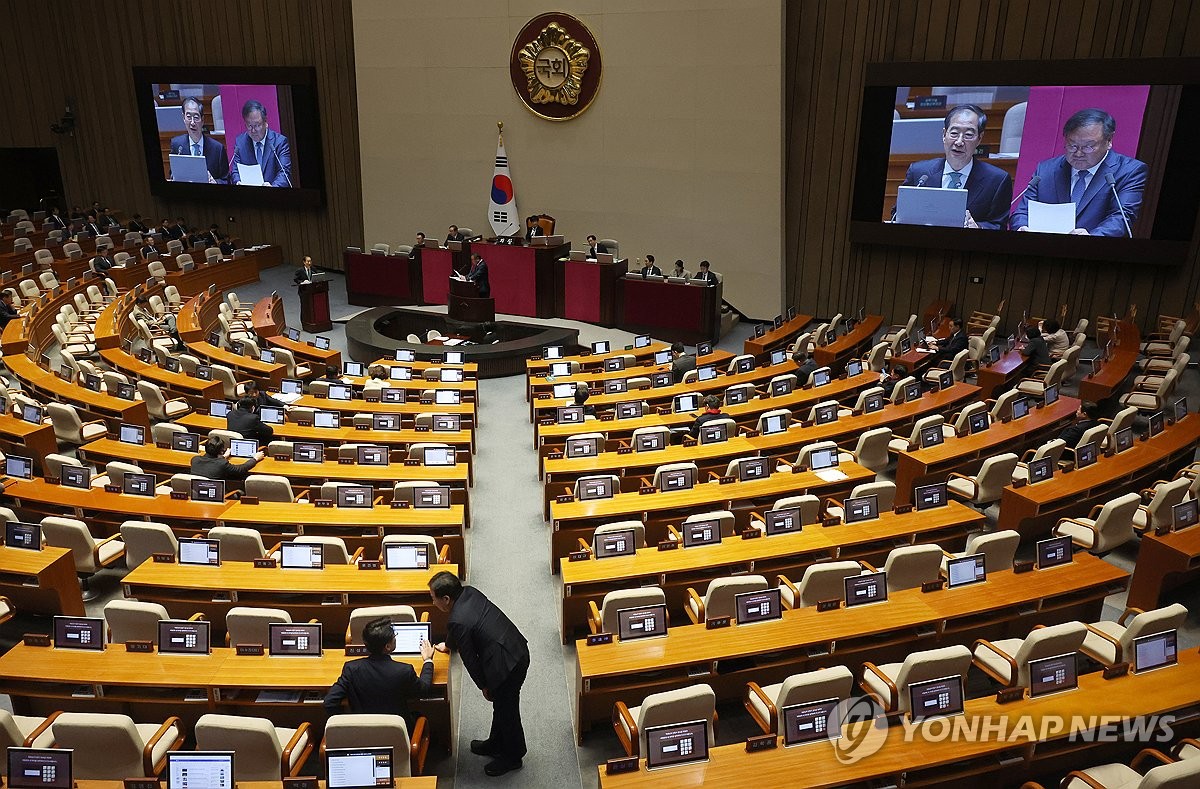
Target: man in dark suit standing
{"x":651,"y":270}
{"x":496,"y":655}
{"x":1081,"y":177}
{"x":193,"y":142}
{"x":595,"y":248}
{"x":214,"y":463}
{"x":245,"y":420}
{"x":378,"y":685}
{"x":989,"y":189}
{"x":306,"y":271}
{"x":704,"y":275}
{"x":263,"y":146}
{"x":479,"y":275}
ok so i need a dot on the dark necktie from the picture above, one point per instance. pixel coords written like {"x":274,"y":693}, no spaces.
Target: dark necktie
{"x":258,"y":153}
{"x":195,"y":149}
{"x":1081,"y":179}
{"x":955,"y":180}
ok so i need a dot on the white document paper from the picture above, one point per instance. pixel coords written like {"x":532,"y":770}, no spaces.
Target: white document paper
{"x":250,"y":174}
{"x":1051,"y":217}
{"x":831,"y":475}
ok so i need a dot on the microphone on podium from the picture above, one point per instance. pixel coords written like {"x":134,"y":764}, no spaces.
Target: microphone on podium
{"x":1112,"y":184}
{"x":1033,"y":181}
{"x":921,"y":181}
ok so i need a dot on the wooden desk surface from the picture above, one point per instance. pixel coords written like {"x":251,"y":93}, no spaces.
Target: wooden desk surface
{"x":244,"y":576}
{"x":302,"y":514}
{"x":416,"y":782}
{"x":1123,"y":357}
{"x":360,"y":406}
{"x":915,"y":466}
{"x":470,"y":369}
{"x":38,"y":492}
{"x":904,"y":753}
{"x":540,"y":365}
{"x":42,"y":581}
{"x":835,"y":354}
{"x":1163,"y":562}
{"x":335,"y":436}
{"x":1031,"y":509}
{"x":544,"y":383}
{"x":787,"y":331}
{"x":48,"y":387}
{"x":995,"y":378}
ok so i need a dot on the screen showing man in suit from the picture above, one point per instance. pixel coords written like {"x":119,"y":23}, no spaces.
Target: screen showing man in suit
{"x":1105,"y":186}
{"x":261,"y":156}
{"x":194,"y":142}
{"x":989,"y":189}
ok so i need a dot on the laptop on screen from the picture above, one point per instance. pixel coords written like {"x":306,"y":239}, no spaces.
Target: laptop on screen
{"x":1052,"y":675}
{"x":685,"y":402}
{"x":400,"y":373}
{"x":243,"y":447}
{"x":272,"y":415}
{"x":569,"y":415}
{"x":775,"y":423}
{"x":676,"y":743}
{"x":873,"y":403}
{"x":341,"y":392}
{"x":184,"y":637}
{"x":1020,"y":408}
{"x":650,"y":442}
{"x":1157,"y":650}
{"x":1040,"y":470}
{"x":409,"y":636}
{"x":648,"y":621}
{"x":930,"y":436}
{"x":218,"y":408}
{"x":966,"y":570}
{"x":820,"y":459}
{"x":406,"y":556}
{"x":825,"y":414}
{"x":200,"y":769}
{"x":978,"y":422}
{"x":327,"y":419}
{"x":446,"y":423}
{"x":132,"y":434}
{"x":614,"y":364}
{"x":439,"y":456}
{"x":935,"y":698}
{"x":287,"y":639}
{"x":809,"y":722}
{"x":1157,"y":422}
{"x":360,"y":768}
{"x":601,"y":347}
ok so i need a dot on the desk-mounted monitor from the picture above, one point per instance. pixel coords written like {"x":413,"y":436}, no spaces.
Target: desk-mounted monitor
{"x":1054,"y":552}
{"x":615,"y":543}
{"x":27,"y":536}
{"x":40,"y":768}
{"x":583,"y":447}
{"x":301,"y":556}
{"x":675,"y":744}
{"x":647,"y":621}
{"x":935,"y":698}
{"x":308,"y":452}
{"x":79,"y":632}
{"x":406,"y":556}
{"x":861,"y":508}
{"x":184,"y":637}
{"x":1157,"y":650}
{"x":965,"y":570}
{"x":1053,"y":675}
{"x":927,"y":497}
{"x":785,"y":520}
{"x":294,"y":640}
{"x":761,"y":606}
{"x":701,"y":532}
{"x":810,"y":722}
{"x":199,"y":551}
{"x":865,"y":589}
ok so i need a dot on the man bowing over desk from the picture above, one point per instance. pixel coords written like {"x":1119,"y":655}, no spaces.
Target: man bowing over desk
{"x":479,"y":275}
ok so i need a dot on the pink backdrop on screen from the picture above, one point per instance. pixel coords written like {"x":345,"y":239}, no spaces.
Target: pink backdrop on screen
{"x":1050,"y":106}
{"x":232,"y":99}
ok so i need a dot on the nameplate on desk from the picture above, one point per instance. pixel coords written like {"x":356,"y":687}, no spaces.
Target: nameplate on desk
{"x":362,"y":427}
{"x":53,"y":481}
{"x":422,"y":429}
{"x":412,"y":462}
{"x":178,"y":496}
{"x":761,"y":742}
{"x":248,"y":650}
{"x":400,"y":505}
{"x":828,"y":605}
{"x":606,"y":418}
{"x":1009,"y":695}
{"x":36,"y":639}
{"x":371,"y":398}
{"x":668,"y":545}
{"x":545,"y":421}
{"x":139,"y":646}
{"x":690,"y":442}
{"x":1066,"y":470}
{"x":626,"y":764}
{"x":798,"y":469}
{"x":624,"y":450}
{"x":535,"y":358}
{"x":368,"y":564}
{"x":804,"y":423}
{"x":585,"y":353}
{"x":1162,"y":530}
{"x":752,"y":434}
{"x":163,"y":558}
{"x":1004,"y":420}
{"x":305,"y":783}
{"x":162,"y":444}
{"x":664,"y":411}
{"x":319,"y":396}
{"x":596,"y":639}
{"x":833,"y":521}
{"x":1116,"y":671}
{"x":937,"y":102}
{"x":347,"y":461}
{"x":543,"y":396}
{"x":1022,"y":567}
{"x":283,"y":458}
{"x":554,"y":456}
{"x":902,"y":509}
{"x":266,"y":563}
{"x":647,"y":491}
{"x":933,"y":586}
{"x":141,"y":783}
{"x":112,"y":488}
{"x":579,"y":556}
{"x":716,"y":622}
{"x":1019,"y":483}
{"x":424,"y":401}
{"x":323,"y":503}
{"x":726,"y":480}
{"x":304,"y":423}
{"x":751,"y":534}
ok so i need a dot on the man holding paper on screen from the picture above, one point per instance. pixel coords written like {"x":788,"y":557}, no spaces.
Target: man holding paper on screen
{"x":261,"y":156}
{"x":989,"y":189}
{"x":1097,"y":180}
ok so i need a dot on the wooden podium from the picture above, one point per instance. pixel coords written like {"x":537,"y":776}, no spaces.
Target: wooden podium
{"x":314,"y":306}
{"x":466,"y":306}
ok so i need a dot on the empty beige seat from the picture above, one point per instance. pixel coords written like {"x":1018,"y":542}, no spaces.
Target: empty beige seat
{"x":763,"y":703}
{"x":821,"y":581}
{"x":159,"y":406}
{"x":262,"y":750}
{"x":1182,"y":774}
{"x":637,"y":528}
{"x":603,"y":618}
{"x":998,"y":549}
{"x":808,"y":504}
{"x":694,"y":703}
{"x":89,"y":555}
{"x":888,"y":683}
{"x":1110,"y":643}
{"x":884,"y":492}
{"x":133,"y":620}
{"x":112,"y":747}
{"x":1007,"y":660}
{"x":248,"y":625}
{"x":333,"y":549}
{"x":1157,"y":512}
{"x":374,"y":731}
{"x":871,"y":451}
{"x":986,"y":486}
{"x":238,"y":543}
{"x":270,"y":487}
{"x":909,"y":566}
{"x":1107,"y":527}
{"x":28,"y":731}
{"x":718,"y":599}
{"x":143,"y":538}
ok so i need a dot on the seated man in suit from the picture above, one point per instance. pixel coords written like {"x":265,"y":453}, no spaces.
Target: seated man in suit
{"x":890,"y":376}
{"x":7,"y":311}
{"x":704,"y":275}
{"x":581,"y":397}
{"x":137,"y":224}
{"x":147,"y":250}
{"x":681,"y":362}
{"x":1036,"y":351}
{"x":479,"y":275}
{"x":261,"y":397}
{"x":1087,"y":417}
{"x":595,"y":248}
{"x":532,"y":228}
{"x":949,"y":347}
{"x":54,"y":221}
{"x":680,"y":271}
{"x":306,"y":271}
{"x":263,"y":146}
{"x":245,"y":420}
{"x":1081,"y":177}
{"x":377,"y":684}
{"x":989,"y":189}
{"x":712,"y":410}
{"x":452,"y":234}
{"x":805,"y":366}
{"x":102,"y":262}
{"x":91,"y":226}
{"x":214,"y":463}
{"x":193,"y":142}
{"x":651,"y":270}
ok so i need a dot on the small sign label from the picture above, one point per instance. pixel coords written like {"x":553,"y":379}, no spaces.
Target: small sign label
{"x":368,"y":564}
{"x":828,"y":605}
{"x":267,"y":563}
{"x":36,"y":640}
{"x":627,"y":764}
{"x":1119,"y":670}
{"x":579,"y":556}
{"x":139,"y":646}
{"x":751,"y":534}
{"x":249,"y":500}
{"x":249,"y":650}
{"x":1009,"y":695}
{"x":163,"y":558}
{"x":668,"y":545}
{"x":357,"y":650}
{"x":599,"y":638}
{"x":933,"y":586}
{"x":716,"y":622}
{"x":761,"y":742}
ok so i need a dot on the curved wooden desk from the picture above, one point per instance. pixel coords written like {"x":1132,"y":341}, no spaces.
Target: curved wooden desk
{"x":777,"y":338}
{"x":836,"y":354}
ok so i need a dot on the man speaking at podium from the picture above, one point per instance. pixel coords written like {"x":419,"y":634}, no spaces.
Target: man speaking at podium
{"x":479,"y":275}
{"x":989,"y":189}
{"x":306,"y":272}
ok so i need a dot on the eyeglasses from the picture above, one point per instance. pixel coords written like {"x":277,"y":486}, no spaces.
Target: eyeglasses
{"x":255,"y":126}
{"x":966,"y":136}
{"x":192,"y":116}
{"x":1085,"y":148}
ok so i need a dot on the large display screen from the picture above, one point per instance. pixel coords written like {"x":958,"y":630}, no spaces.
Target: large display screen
{"x":231,"y":134}
{"x":1065,"y":158}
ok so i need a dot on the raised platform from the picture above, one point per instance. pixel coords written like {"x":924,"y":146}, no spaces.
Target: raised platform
{"x":499,"y":348}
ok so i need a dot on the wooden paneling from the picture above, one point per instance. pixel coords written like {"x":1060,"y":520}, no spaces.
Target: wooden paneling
{"x":85,"y":50}
{"x":827,"y":44}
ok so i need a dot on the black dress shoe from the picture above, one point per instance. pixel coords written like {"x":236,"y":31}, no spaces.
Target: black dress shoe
{"x":482,"y":748}
{"x":501,"y":766}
